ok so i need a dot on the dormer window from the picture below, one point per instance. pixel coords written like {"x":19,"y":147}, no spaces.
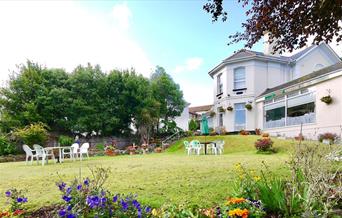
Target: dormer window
{"x":219,"y":84}
{"x":239,"y":78}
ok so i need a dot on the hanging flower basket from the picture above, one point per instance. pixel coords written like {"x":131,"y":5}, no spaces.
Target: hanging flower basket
{"x":222,"y":110}
{"x":248,"y":107}
{"x":212,"y":113}
{"x":327,"y":99}
{"x":230,"y":108}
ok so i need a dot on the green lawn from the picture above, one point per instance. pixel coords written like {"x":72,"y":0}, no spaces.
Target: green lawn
{"x":171,"y":176}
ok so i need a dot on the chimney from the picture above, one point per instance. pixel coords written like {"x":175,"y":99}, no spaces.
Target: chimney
{"x":269,"y":47}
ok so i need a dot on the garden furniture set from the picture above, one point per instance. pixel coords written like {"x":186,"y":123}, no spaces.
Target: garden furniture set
{"x":38,"y":152}
{"x":196,"y":146}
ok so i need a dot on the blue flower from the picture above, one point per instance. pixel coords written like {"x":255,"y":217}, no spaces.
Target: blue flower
{"x":8,"y":194}
{"x":79,"y":187}
{"x":124,"y":205}
{"x":62,"y":213}
{"x":24,"y":200}
{"x":19,"y":200}
{"x":139,"y":213}
{"x":61,"y":186}
{"x":69,"y":207}
{"x":68,"y":191}
{"x":148,"y":209}
{"x":67,"y":198}
{"x":71,"y":216}
{"x":86,"y":182}
{"x":115,"y":198}
{"x":93,"y":201}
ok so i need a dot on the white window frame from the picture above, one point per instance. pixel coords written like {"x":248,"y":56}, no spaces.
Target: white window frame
{"x":239,"y":80}
{"x":219,"y":84}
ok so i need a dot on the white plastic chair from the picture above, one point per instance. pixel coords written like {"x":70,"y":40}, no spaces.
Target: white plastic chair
{"x":187,"y":147}
{"x":29,"y":153}
{"x":218,"y":148}
{"x":72,"y":151}
{"x":84,"y":150}
{"x":42,"y":153}
{"x":196,"y":145}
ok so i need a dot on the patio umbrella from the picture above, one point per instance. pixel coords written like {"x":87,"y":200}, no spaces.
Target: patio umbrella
{"x":204,"y":126}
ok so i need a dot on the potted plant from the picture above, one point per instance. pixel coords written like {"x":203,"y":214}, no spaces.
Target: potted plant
{"x":131,"y":149}
{"x":110,"y":150}
{"x":327,"y":138}
{"x":327,"y":99}
{"x":248,"y":106}
{"x":230,"y":108}
{"x":144,"y":148}
{"x":212,"y":113}
{"x":222,"y":110}
{"x":158,"y":150}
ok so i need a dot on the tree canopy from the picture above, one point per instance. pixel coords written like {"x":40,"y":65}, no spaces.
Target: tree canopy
{"x":289,"y":23}
{"x":88,"y":100}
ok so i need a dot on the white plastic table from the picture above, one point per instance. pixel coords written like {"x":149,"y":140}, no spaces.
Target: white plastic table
{"x":61,"y":158}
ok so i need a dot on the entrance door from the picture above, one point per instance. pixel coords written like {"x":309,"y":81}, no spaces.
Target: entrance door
{"x":240,"y":116}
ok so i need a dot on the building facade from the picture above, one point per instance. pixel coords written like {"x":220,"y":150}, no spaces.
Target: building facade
{"x":263,"y":82}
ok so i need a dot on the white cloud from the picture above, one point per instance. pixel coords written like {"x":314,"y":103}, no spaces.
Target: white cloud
{"x":122,"y":15}
{"x":65,"y":34}
{"x":191,"y":64}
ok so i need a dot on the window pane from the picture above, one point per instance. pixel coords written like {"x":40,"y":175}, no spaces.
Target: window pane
{"x":275,"y":117}
{"x":303,"y":99}
{"x":304,"y":113}
{"x":240,"y":116}
{"x":239,"y":78}
{"x":221,"y":119}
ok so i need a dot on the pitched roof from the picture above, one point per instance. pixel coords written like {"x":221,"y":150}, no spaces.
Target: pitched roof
{"x":200,"y":108}
{"x":244,"y":53}
{"x":299,"y":54}
{"x":305,"y":78}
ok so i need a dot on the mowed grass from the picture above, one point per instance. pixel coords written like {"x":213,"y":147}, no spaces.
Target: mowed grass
{"x":171,"y":176}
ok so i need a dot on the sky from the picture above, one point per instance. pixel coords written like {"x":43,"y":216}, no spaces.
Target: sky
{"x":177,"y":35}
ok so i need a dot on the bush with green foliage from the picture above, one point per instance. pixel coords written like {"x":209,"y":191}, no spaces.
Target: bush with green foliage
{"x":6,"y":147}
{"x":65,"y":140}
{"x":193,"y":125}
{"x":32,"y":134}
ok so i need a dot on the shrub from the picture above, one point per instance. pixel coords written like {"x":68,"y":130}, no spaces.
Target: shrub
{"x":265,"y":135}
{"x":65,"y":140}
{"x":257,"y":131}
{"x":243,"y":132}
{"x":329,"y":136}
{"x":6,"y":147}
{"x":263,"y":144}
{"x":32,"y":134}
{"x":193,"y":126}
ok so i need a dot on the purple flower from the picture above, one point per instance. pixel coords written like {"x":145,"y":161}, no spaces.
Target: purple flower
{"x":124,"y":205}
{"x":62,"y":213}
{"x":139,"y":213}
{"x":24,"y":200}
{"x":61,"y":186}
{"x":68,"y":191}
{"x":8,"y":194}
{"x":148,"y":209}
{"x":86,"y":182}
{"x":67,"y":198}
{"x":115,"y":198}
{"x":71,"y":216}
{"x":79,"y":187}
{"x":69,"y":207}
{"x":19,"y":200}
{"x":93,"y":201}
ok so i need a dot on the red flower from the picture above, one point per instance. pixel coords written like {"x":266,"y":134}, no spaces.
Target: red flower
{"x":18,"y":212}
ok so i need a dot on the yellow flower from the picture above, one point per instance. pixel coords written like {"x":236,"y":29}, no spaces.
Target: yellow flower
{"x":235,"y":201}
{"x":256,"y":178}
{"x":238,"y":213}
{"x":154,"y":212}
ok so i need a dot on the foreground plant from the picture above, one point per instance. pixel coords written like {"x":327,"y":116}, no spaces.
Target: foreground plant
{"x":16,"y":200}
{"x":88,"y":198}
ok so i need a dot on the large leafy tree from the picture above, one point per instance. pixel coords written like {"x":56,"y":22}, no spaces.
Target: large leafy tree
{"x":291,"y":22}
{"x":167,"y":93}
